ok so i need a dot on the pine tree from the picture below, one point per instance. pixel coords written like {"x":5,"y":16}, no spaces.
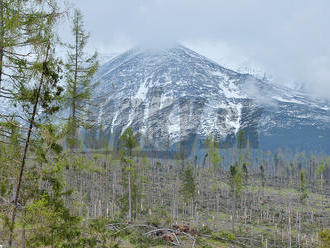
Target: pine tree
{"x":80,"y":69}
{"x":213,"y":151}
{"x":129,"y":141}
{"x":303,"y":191}
{"x":188,"y":187}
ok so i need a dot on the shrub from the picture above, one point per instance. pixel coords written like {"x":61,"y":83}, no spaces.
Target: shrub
{"x":324,"y":238}
{"x":205,"y":230}
{"x":224,"y":235}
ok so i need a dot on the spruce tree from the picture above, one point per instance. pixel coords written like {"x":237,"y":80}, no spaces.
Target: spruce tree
{"x":129,"y":141}
{"x":188,"y":187}
{"x":213,"y":151}
{"x":80,"y":69}
{"x":303,"y":190}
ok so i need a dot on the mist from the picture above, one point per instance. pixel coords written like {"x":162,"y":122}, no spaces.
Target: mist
{"x":287,"y":40}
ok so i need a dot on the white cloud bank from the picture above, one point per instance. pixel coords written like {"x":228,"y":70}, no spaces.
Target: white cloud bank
{"x":287,"y":39}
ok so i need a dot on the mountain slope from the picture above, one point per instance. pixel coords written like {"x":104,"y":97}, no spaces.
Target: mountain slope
{"x":174,"y":95}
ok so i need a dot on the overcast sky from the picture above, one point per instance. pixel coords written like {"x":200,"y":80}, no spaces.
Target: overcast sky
{"x":288,"y":39}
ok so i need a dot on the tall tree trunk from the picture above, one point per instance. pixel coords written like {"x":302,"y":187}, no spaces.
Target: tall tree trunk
{"x":113,"y":194}
{"x":73,"y":117}
{"x":290,"y":232}
{"x":233,"y":212}
{"x":26,"y":147}
{"x":75,"y":78}
{"x":2,"y":36}
{"x":129,"y":195}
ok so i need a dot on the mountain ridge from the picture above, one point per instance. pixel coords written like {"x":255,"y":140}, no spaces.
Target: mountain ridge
{"x":174,"y":93}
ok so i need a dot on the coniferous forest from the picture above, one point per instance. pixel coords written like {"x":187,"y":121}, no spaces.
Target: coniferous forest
{"x":56,"y":193}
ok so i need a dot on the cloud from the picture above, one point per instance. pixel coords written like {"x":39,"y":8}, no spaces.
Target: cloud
{"x":288,"y":39}
{"x":260,"y":97}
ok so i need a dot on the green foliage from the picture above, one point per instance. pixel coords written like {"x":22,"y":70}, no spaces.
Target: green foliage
{"x":9,"y":154}
{"x":144,"y":241}
{"x":48,"y":207}
{"x":188,"y":186}
{"x":303,"y":191}
{"x":205,"y":229}
{"x":225,"y":235}
{"x":128,"y":141}
{"x":52,"y":222}
{"x":79,"y":71}
{"x":213,"y":151}
{"x":202,"y":243}
{"x":319,"y":171}
{"x":241,"y":140}
{"x":98,"y":235}
{"x":153,"y":220}
{"x":245,"y":173}
{"x":320,"y":168}
{"x":236,"y":179}
{"x":324,"y":238}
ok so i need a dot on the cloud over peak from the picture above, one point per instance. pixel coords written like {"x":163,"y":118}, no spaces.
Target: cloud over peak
{"x":287,"y":39}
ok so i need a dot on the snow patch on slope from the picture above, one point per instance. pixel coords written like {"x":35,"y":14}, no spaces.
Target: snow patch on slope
{"x":142,"y":91}
{"x":291,"y":100}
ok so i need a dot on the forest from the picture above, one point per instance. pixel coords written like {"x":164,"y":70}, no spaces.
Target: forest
{"x":54,"y":193}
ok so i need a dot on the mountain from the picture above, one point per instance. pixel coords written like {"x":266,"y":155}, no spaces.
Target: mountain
{"x":175,"y":96}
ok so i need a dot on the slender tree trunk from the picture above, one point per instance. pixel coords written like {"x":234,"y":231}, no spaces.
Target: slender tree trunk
{"x":75,"y":78}
{"x":233,"y":210}
{"x":27,"y":143}
{"x":2,"y":34}
{"x":192,"y":211}
{"x":113,"y":194}
{"x":290,"y":233}
{"x":129,"y":195}
{"x":73,"y":117}
{"x":299,"y":230}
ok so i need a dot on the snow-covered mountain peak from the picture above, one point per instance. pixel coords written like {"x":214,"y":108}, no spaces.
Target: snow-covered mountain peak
{"x":172,"y":94}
